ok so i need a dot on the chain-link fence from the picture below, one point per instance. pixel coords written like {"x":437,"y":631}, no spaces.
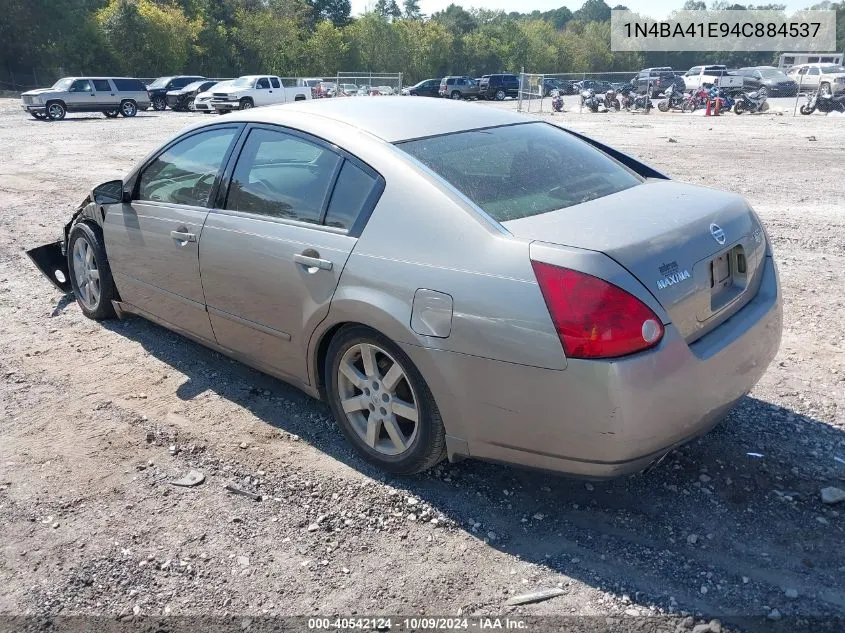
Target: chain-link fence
{"x":357,"y":84}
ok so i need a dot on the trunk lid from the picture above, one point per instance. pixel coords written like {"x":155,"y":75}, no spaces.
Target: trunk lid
{"x":698,"y":251}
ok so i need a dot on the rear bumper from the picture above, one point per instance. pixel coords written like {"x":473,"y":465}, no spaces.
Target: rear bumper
{"x":603,"y":419}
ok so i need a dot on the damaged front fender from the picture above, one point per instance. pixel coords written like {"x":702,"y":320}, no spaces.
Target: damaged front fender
{"x":51,"y":259}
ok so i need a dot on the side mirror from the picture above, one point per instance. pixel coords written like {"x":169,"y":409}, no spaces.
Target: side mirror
{"x":111,"y":192}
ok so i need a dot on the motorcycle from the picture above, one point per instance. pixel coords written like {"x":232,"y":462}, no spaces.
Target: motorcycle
{"x":611,"y":100}
{"x":674,"y":100}
{"x":823,"y":103}
{"x":752,"y":101}
{"x":557,"y":101}
{"x":592,"y":101}
{"x":633,"y":102}
{"x":694,"y":100}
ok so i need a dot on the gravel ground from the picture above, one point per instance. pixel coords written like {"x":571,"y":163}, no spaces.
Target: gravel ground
{"x":97,"y":419}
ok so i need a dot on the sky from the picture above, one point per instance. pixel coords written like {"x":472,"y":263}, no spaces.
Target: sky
{"x":652,"y":8}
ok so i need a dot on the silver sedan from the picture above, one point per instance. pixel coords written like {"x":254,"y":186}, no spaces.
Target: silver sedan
{"x":453,"y":280}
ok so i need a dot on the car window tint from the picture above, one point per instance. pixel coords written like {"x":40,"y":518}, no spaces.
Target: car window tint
{"x":263,"y":83}
{"x":185,"y":172}
{"x":81,"y":85}
{"x":282,"y":176}
{"x":522,"y":170}
{"x":102,"y":85}
{"x":129,"y":85}
{"x":353,"y":187}
{"x":275,"y":82}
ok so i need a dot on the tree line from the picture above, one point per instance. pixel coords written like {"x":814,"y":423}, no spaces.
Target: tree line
{"x":226,"y":38}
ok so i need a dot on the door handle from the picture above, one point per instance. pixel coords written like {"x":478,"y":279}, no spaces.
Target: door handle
{"x":312,"y":262}
{"x":181,"y":236}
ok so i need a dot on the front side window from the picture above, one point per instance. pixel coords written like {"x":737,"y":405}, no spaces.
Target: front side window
{"x":81,"y":85}
{"x":102,"y":85}
{"x":282,"y":176}
{"x":522,"y":170}
{"x":185,"y":172}
{"x":263,"y":84}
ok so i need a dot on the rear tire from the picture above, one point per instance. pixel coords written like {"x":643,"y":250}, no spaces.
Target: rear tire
{"x":456,"y":95}
{"x":159,"y":104}
{"x":739,"y":108}
{"x":366,"y":399}
{"x":663,"y":106}
{"x":128,"y":108}
{"x":90,"y":273}
{"x":500,"y":95}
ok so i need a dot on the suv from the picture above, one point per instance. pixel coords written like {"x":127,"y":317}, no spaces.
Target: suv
{"x":110,"y":95}
{"x":458,"y":88}
{"x":160,"y":87}
{"x":425,"y":88}
{"x":657,"y":79}
{"x":498,"y":86}
{"x":828,"y":78}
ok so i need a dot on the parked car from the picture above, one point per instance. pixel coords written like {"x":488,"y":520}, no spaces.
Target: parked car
{"x":657,"y":79}
{"x":498,"y":86}
{"x":596,"y":85}
{"x":386,"y":90}
{"x":182,"y":98}
{"x":458,"y":87}
{"x":564,"y":86}
{"x":311,"y":82}
{"x":593,"y":330}
{"x":112,"y":96}
{"x":202,"y":102}
{"x":160,"y":87}
{"x":706,"y":76}
{"x":252,"y":91}
{"x":777,"y":84}
{"x":425,"y":88}
{"x":828,"y":78}
{"x":348,"y":90}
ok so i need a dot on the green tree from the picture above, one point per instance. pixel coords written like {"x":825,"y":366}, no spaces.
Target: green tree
{"x":336,"y":11}
{"x":327,"y":50}
{"x":593,"y":11}
{"x":388,"y":9}
{"x":458,"y":20}
{"x":412,"y":10}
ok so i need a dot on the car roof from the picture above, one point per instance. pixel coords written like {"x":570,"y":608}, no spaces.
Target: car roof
{"x":394,"y":120}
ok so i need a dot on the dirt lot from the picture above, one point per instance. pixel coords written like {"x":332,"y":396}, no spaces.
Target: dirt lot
{"x":96,"y":419}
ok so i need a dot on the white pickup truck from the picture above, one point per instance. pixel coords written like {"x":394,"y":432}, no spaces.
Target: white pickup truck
{"x":249,"y":91}
{"x":707,"y":76}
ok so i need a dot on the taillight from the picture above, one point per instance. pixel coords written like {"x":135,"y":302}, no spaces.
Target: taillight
{"x":594,"y":318}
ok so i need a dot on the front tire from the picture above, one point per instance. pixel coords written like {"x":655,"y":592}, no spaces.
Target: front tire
{"x":111,"y":114}
{"x":247,"y":104}
{"x":382,"y":403}
{"x":90,"y":273}
{"x":739,"y":108}
{"x":128,"y":109}
{"x":56,"y":111}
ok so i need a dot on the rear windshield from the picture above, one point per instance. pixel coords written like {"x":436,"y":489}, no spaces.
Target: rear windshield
{"x":129,"y":85}
{"x":522,"y":170}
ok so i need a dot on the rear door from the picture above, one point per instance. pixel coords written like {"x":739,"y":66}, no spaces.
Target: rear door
{"x":152,"y":242}
{"x":273,"y":249}
{"x":106,"y":95}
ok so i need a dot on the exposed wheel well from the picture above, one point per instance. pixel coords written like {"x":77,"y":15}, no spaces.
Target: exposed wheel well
{"x":322,"y":350}
{"x":299,"y":98}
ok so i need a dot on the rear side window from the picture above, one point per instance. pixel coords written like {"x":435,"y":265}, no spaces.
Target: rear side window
{"x":522,"y":170}
{"x":102,"y":85}
{"x":129,"y":85}
{"x":275,"y":82}
{"x":282,"y":176}
{"x":351,"y":192}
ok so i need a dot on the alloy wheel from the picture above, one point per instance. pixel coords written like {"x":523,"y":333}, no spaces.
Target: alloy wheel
{"x":86,"y":272}
{"x":378,"y":399}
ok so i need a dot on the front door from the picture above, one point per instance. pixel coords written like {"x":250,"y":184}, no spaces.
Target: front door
{"x":81,"y":96}
{"x":272,"y":255}
{"x":263,"y":92}
{"x":153,"y":241}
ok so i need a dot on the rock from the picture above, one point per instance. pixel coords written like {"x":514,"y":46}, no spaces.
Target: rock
{"x":539,"y":516}
{"x":704,"y":479}
{"x":692,"y":539}
{"x":672,"y":140}
{"x":313,"y":527}
{"x":243,"y":561}
{"x":589,"y":487}
{"x":535,"y":596}
{"x":243,"y":445}
{"x":244,"y":493}
{"x":632,"y":612}
{"x":790,"y":593}
{"x":831,"y":495}
{"x":136,"y":610}
{"x":411,"y":501}
{"x":703,"y":589}
{"x":492,"y":536}
{"x":715,"y":626}
{"x":701,"y":628}
{"x":774,"y":614}
{"x":745,"y":580}
{"x":193,"y":478}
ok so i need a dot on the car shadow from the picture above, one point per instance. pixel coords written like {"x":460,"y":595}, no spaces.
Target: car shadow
{"x":730,"y":517}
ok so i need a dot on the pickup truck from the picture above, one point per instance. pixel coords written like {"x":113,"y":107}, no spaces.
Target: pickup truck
{"x":250,"y":91}
{"x":699,"y":76}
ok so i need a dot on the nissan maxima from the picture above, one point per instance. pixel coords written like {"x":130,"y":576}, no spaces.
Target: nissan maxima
{"x":454,"y":280}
